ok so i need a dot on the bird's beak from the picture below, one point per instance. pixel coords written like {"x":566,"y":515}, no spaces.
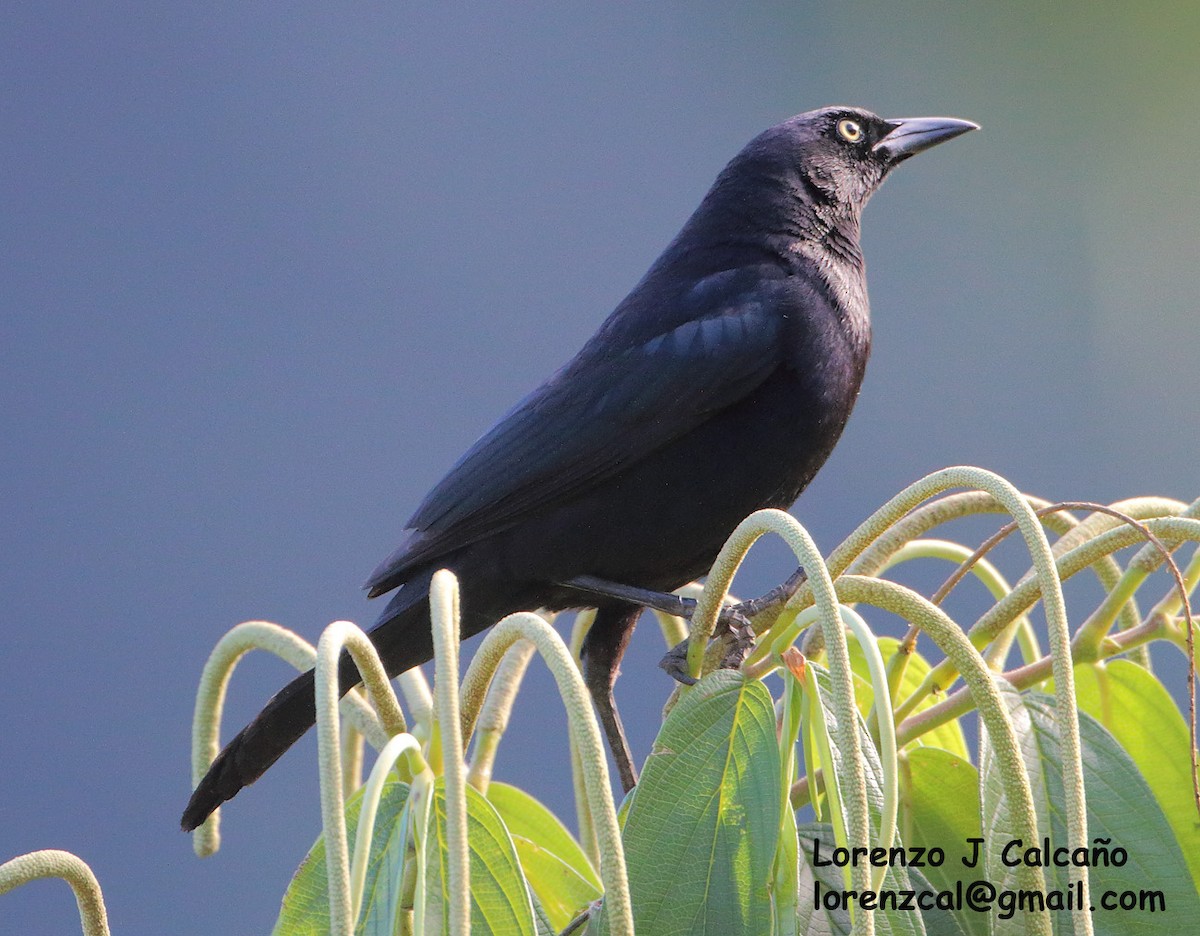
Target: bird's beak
{"x":913,"y":135}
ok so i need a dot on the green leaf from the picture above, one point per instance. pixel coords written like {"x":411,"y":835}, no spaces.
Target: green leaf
{"x":1139,"y":712}
{"x":948,"y":737}
{"x":785,"y":881}
{"x":544,"y":926}
{"x":528,"y":818}
{"x":1120,"y":809}
{"x":939,"y":800}
{"x":383,"y":892}
{"x":561,"y":890}
{"x":700,"y":834}
{"x":887,"y":922}
{"x":562,"y":878}
{"x":815,"y":917}
{"x":938,"y":921}
{"x":500,"y":897}
{"x":305,"y":910}
{"x":996,"y":820}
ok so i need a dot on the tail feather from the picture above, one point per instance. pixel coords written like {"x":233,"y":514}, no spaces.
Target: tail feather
{"x":403,"y":640}
{"x":284,"y":720}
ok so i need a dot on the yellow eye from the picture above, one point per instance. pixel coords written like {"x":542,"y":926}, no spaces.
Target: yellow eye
{"x":850,"y":130}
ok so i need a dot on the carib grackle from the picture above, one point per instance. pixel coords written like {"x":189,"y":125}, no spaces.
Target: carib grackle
{"x":717,"y":387}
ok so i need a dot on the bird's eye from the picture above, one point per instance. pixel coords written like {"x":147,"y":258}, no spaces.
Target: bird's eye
{"x":850,"y":130}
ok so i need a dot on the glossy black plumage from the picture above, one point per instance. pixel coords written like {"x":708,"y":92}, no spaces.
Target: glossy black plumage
{"x":718,"y":386}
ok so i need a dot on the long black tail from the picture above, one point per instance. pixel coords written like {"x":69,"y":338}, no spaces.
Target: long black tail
{"x":403,"y":639}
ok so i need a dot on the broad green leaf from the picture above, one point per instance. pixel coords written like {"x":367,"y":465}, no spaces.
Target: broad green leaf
{"x":383,"y":893}
{"x":818,"y":916}
{"x":561,"y":890}
{"x":1121,"y":812}
{"x":939,"y":808}
{"x":785,"y":881}
{"x":305,"y":910}
{"x":887,"y":922}
{"x":939,"y":921}
{"x":700,"y":834}
{"x":560,"y":874}
{"x":542,"y":921}
{"x":948,"y":737}
{"x":1139,"y":712}
{"x":500,"y":898}
{"x":526,"y":817}
{"x":995,"y":812}
{"x":815,"y":916}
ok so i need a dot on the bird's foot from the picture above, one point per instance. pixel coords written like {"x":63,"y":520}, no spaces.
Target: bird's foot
{"x":739,"y":634}
{"x":685,"y":607}
{"x":675,"y":665}
{"x":733,"y":628}
{"x":777,"y":597}
{"x":733,"y":621}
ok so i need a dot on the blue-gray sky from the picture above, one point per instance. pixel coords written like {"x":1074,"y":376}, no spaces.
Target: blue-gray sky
{"x":268,"y":271}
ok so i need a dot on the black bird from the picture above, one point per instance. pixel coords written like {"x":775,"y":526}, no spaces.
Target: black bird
{"x":717,"y":387}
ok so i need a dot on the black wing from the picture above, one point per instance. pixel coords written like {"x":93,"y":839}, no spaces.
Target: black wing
{"x":605,"y":409}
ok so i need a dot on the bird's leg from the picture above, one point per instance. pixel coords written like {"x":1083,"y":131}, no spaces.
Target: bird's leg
{"x":732,"y":619}
{"x":602,"y":650}
{"x":777,"y":597}
{"x":735,"y":626}
{"x":666,"y":602}
{"x":679,"y":606}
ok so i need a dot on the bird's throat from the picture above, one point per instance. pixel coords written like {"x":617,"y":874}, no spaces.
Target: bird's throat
{"x":844,"y":275}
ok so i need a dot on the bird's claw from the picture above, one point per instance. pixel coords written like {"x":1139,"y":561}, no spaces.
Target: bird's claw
{"x":675,"y":665}
{"x":777,"y":596}
{"x":741,"y":635}
{"x":731,"y":622}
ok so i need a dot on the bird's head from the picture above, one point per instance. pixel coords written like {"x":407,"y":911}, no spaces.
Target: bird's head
{"x":797,"y":190}
{"x":840,"y":155}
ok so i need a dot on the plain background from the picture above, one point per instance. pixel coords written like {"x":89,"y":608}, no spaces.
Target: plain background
{"x":268,"y":271}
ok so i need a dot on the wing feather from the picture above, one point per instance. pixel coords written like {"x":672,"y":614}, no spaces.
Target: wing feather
{"x":603,"y":410}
